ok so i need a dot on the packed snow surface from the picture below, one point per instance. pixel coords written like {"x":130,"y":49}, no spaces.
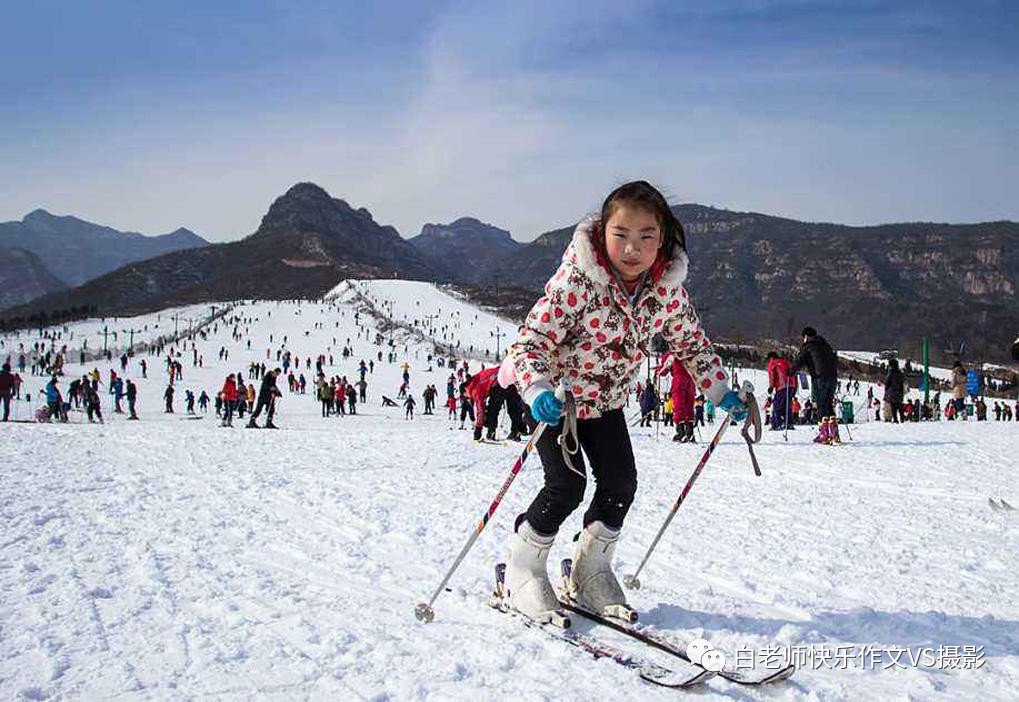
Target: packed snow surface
{"x":174,"y":559}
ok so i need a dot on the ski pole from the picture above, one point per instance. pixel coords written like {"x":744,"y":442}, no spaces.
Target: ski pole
{"x":424,"y":611}
{"x":632,"y":582}
{"x":788,"y":402}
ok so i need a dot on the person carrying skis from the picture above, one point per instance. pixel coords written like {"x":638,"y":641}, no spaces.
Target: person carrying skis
{"x":620,"y":281}
{"x":819,"y":358}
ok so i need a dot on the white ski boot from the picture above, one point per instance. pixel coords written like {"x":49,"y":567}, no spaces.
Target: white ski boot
{"x":592,"y":584}
{"x":527,"y":584}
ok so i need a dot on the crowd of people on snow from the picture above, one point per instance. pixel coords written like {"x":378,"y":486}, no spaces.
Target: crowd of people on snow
{"x":478,"y":400}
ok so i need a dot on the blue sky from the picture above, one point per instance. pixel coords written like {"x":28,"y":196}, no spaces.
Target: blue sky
{"x":149,"y":116}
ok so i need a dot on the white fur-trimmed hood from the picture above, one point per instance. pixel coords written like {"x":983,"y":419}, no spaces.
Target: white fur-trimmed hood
{"x":581,"y":253}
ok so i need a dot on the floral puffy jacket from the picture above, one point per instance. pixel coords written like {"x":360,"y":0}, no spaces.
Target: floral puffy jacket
{"x":586,"y":328}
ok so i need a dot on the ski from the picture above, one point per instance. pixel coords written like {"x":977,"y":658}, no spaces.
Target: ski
{"x":490,"y":442}
{"x":663,"y":643}
{"x":689,"y":675}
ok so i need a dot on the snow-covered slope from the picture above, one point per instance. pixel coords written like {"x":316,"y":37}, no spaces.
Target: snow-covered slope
{"x":113,"y":333}
{"x":173,"y":559}
{"x":443,"y":317}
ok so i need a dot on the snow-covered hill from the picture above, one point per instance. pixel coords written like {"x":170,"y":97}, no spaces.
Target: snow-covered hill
{"x":174,"y":559}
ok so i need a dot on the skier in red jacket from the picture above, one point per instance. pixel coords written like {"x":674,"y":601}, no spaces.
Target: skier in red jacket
{"x":784,"y":386}
{"x":478,"y":389}
{"x":682,"y":392}
{"x":229,"y":397}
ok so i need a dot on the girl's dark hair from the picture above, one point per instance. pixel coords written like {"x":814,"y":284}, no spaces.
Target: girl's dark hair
{"x":642,"y":194}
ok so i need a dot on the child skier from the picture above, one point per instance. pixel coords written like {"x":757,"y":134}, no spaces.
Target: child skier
{"x":620,"y":282}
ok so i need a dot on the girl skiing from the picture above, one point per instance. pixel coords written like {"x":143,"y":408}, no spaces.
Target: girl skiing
{"x":620,"y":283}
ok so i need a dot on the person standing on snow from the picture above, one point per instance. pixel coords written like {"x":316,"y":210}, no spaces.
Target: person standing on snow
{"x":959,"y":378}
{"x":682,"y":393}
{"x":229,"y":397}
{"x":486,"y":412}
{"x":817,"y":356}
{"x":92,"y":406}
{"x":132,"y":398}
{"x":895,"y":390}
{"x":6,"y":389}
{"x":267,"y":395}
{"x":168,"y":396}
{"x":784,"y":385}
{"x":620,"y":281}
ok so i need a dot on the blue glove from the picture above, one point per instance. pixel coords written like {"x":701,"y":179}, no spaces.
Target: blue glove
{"x":547,"y":409}
{"x":732,"y":404}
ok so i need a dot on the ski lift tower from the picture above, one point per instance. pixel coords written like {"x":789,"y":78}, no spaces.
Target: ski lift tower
{"x":498,"y":334}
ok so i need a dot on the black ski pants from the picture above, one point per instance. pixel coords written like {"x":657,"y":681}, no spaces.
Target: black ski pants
{"x":266,"y":402}
{"x":496,"y":396}
{"x":606,"y":443}
{"x":824,"y":394}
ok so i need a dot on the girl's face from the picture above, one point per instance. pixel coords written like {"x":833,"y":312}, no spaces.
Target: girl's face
{"x":632,"y":239}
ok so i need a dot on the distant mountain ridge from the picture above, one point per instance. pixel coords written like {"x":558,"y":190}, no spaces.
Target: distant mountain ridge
{"x":306,"y":243}
{"x":76,"y":251}
{"x":758,"y":276}
{"x":23,"y":277}
{"x":465,"y":250}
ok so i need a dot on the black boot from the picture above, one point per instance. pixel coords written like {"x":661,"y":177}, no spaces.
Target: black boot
{"x":691,"y":437}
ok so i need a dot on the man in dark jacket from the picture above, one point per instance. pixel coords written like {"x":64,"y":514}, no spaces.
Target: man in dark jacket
{"x":267,"y":394}
{"x":132,"y":398}
{"x":895,"y":390}
{"x":6,"y":389}
{"x":818,"y":357}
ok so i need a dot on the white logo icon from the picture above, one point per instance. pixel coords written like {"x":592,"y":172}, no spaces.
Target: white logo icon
{"x":704,"y":654}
